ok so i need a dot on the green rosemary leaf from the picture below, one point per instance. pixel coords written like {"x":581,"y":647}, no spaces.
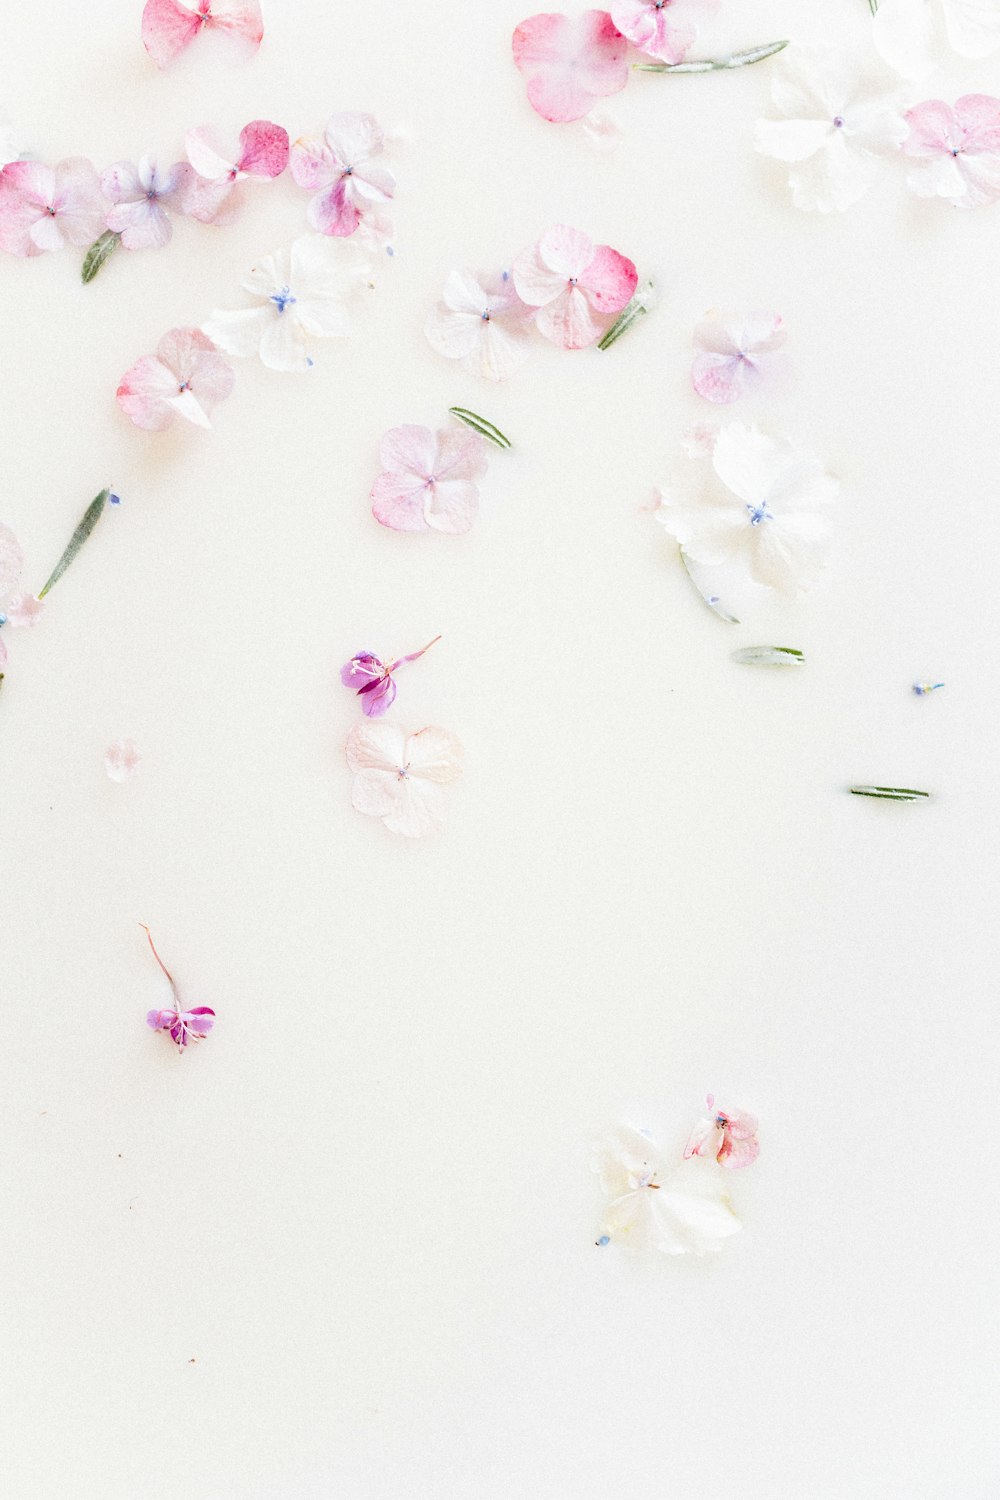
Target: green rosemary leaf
{"x":890,"y":793}
{"x":480,"y":425}
{"x":716,"y":64}
{"x":769,"y":656}
{"x":89,"y":520}
{"x":640,"y":303}
{"x":100,"y":251}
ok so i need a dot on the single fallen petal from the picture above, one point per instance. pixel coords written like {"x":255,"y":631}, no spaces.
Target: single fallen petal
{"x":121,"y":760}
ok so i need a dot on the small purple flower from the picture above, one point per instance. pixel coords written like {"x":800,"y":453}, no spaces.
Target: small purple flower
{"x":184,"y":1026}
{"x":372,"y":679}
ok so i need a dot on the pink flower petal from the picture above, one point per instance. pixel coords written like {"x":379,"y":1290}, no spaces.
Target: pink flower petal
{"x":461,"y":454}
{"x":143,"y":225}
{"x":168,"y":27}
{"x":23,"y":610}
{"x":723,"y":378}
{"x":609,"y":280}
{"x":570,"y":63}
{"x":569,"y":320}
{"x":121,"y":760}
{"x":143,"y":393}
{"x":451,"y":506}
{"x":332,"y":212}
{"x":398,"y":502}
{"x":410,"y":450}
{"x":665,"y":32}
{"x":42,"y":207}
{"x":265,"y":149}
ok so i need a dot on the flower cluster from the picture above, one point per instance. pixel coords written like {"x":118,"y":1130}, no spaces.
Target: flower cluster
{"x":565,"y":286}
{"x":675,"y":1207}
{"x":839,"y":117}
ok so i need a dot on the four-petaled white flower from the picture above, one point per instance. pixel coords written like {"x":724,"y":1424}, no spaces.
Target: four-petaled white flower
{"x":763,"y":505}
{"x":402,"y":778}
{"x":301,"y":294}
{"x":481,"y":321}
{"x":838,"y":117}
{"x":908,"y":33}
{"x":679,"y":1209}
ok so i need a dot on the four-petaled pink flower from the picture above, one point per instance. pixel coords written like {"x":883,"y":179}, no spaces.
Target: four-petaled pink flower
{"x":186,"y":377}
{"x":168,"y":27}
{"x":429,"y":478}
{"x":214,"y":195}
{"x":44,"y":208}
{"x":733,"y":354}
{"x":570,"y":62}
{"x":959,"y":150}
{"x":481,"y":321}
{"x":576,"y":286}
{"x":341,"y":171}
{"x":141,"y":196}
{"x":730,"y":1138}
{"x":401,"y":778}
{"x":372,"y":679}
{"x":664,"y":29}
{"x":184,"y":1026}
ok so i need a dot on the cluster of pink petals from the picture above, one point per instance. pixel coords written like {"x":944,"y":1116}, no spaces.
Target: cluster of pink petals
{"x":169,"y":27}
{"x":372,"y":679}
{"x":186,"y":377}
{"x":730,"y":1138}
{"x":213,"y":194}
{"x":184,"y":1026}
{"x":576,"y":287}
{"x":141,"y":195}
{"x":429,"y":478}
{"x":16,"y":609}
{"x":958,"y":150}
{"x":340,"y":169}
{"x":734,"y":354}
{"x":570,"y":62}
{"x":46,"y":208}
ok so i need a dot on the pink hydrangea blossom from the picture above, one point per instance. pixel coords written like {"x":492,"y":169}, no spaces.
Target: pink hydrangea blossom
{"x":184,"y":1026}
{"x":402,"y":778}
{"x":570,"y":62}
{"x":213,"y":195}
{"x":730,"y":1138}
{"x":121,"y":760}
{"x":168,"y":27}
{"x":428,"y":479}
{"x":577,"y":286}
{"x":481,"y":321}
{"x":664,"y":29}
{"x":958,"y":149}
{"x":44,"y":208}
{"x":186,"y":377}
{"x":372,"y":679}
{"x":141,"y":196}
{"x":733,"y":354}
{"x":340,"y":169}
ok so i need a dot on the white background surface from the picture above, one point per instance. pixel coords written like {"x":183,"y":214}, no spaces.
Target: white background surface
{"x":364,"y":1207}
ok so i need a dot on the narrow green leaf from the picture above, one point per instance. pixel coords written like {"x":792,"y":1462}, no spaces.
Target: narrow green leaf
{"x":873,"y":7}
{"x":100,"y":251}
{"x":640,"y":303}
{"x":480,"y":425}
{"x":716,"y":64}
{"x":769,"y":656}
{"x":890,"y":793}
{"x":712,"y":600}
{"x":90,"y":518}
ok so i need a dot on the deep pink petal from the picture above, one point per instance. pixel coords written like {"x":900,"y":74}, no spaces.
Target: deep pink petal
{"x":569,"y":63}
{"x":378,"y":698}
{"x":167,"y":28}
{"x":609,"y":281}
{"x":264,"y":149}
{"x":332,"y":212}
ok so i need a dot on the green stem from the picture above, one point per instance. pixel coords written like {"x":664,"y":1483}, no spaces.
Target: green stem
{"x":630,"y":314}
{"x":101,"y":250}
{"x":89,"y":520}
{"x":716,"y":64}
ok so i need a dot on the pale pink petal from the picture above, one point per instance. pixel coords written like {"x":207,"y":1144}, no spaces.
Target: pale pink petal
{"x":376,"y":745}
{"x":715,"y":336}
{"x":353,"y":138}
{"x":332,"y":212}
{"x":47,"y":233}
{"x":11,"y":560}
{"x":79,"y":201}
{"x":570,"y":321}
{"x":239,"y":21}
{"x":410,"y":450}
{"x":664,"y":32}
{"x":569,"y":63}
{"x":566,"y":251}
{"x":167,"y":28}
{"x":121,"y":183}
{"x":143,"y":225}
{"x":23,"y":610}
{"x":979,"y":117}
{"x":27,"y":190}
{"x":121,"y":760}
{"x":741,"y":1125}
{"x":724,"y":378}
{"x":934,"y":130}
{"x":435,"y":755}
{"x":370,"y":184}
{"x":143,"y":393}
{"x":207,"y":159}
{"x":420,"y":808}
{"x":705,"y":1139}
{"x":398,"y":502}
{"x":218,"y":202}
{"x":374,"y":792}
{"x":311,"y":163}
{"x":461,"y":454}
{"x":451,"y":506}
{"x":735,"y":1153}
{"x":264,"y":149}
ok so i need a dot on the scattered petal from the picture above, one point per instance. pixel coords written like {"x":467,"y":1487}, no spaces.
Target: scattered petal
{"x":187,"y":377}
{"x":428,"y":479}
{"x":482,"y":322}
{"x":401,"y":778}
{"x":730,"y":1138}
{"x":570,"y":62}
{"x":121,"y":760}
{"x":662,"y":31}
{"x":169,"y":27}
{"x":372,"y":679}
{"x":957,"y":149}
{"x":45,"y":208}
{"x":734,"y":354}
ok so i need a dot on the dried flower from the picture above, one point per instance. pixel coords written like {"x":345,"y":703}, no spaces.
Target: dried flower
{"x":372,"y":679}
{"x":402,"y":778}
{"x":168,"y":27}
{"x":730,"y":1138}
{"x":186,"y":377}
{"x":676,"y":1209}
{"x":570,"y":62}
{"x":184,"y":1026}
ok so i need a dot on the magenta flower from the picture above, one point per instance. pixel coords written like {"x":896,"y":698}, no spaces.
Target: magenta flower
{"x":342,"y":167}
{"x":664,"y":29}
{"x":429,"y":478}
{"x":184,"y":1026}
{"x":730,"y":1138}
{"x":734,"y":353}
{"x":372,"y":679}
{"x":958,"y":148}
{"x":576,"y":286}
{"x":186,"y":377}
{"x":213,"y":196}
{"x":168,"y":27}
{"x":44,"y":208}
{"x":570,"y":62}
{"x":141,"y":196}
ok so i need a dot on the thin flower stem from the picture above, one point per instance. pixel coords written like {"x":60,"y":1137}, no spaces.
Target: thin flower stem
{"x":716,"y":64}
{"x":629,"y":314}
{"x":159,"y":960}
{"x":481,"y":425}
{"x":91,"y":516}
{"x":414,"y":654}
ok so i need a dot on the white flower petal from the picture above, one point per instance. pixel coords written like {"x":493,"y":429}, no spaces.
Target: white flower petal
{"x":903,"y":32}
{"x":973,"y":26}
{"x":240,"y":332}
{"x":833,"y":180}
